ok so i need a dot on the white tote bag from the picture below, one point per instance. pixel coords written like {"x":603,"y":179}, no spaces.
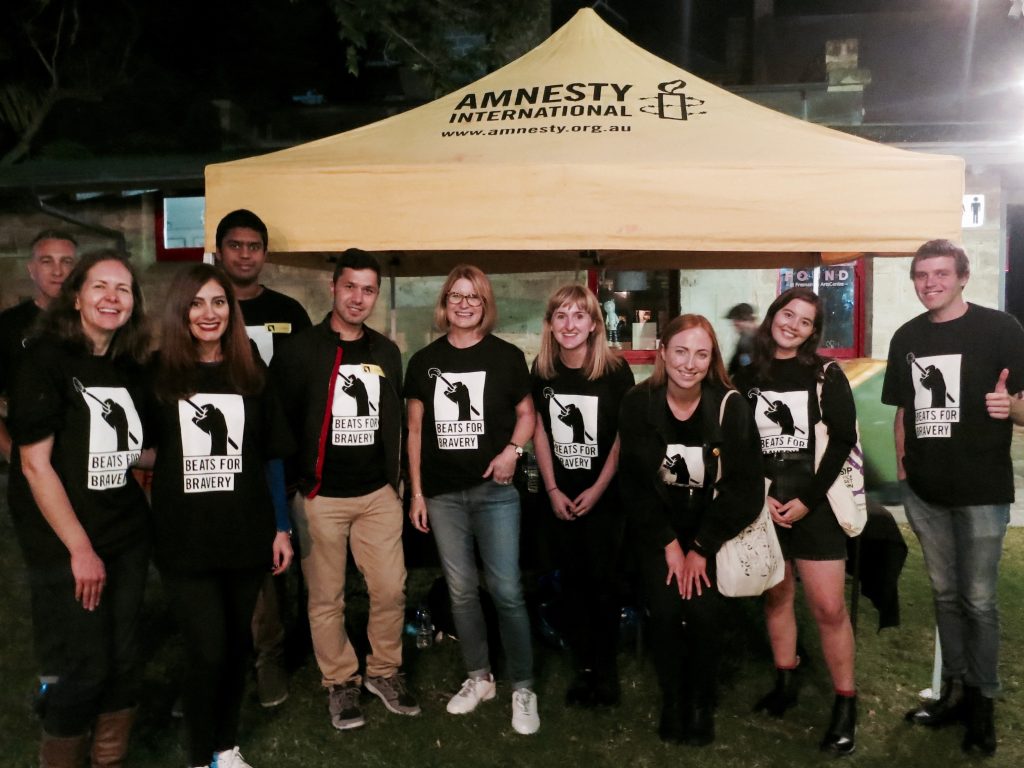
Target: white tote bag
{"x":750,"y":562}
{"x":846,"y":496}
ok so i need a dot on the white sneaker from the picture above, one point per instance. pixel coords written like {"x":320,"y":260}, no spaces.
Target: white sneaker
{"x":525,"y":719}
{"x":473,"y":691}
{"x":229,"y":758}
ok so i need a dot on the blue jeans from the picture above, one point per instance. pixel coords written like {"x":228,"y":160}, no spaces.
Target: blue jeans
{"x":488,"y":513}
{"x":962,"y":547}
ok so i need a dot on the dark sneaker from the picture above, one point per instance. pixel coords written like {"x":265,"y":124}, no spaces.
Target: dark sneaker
{"x":271,"y":684}
{"x":343,"y":704}
{"x":392,"y":691}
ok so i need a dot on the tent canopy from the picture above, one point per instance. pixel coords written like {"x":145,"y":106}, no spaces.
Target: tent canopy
{"x":589,"y":146}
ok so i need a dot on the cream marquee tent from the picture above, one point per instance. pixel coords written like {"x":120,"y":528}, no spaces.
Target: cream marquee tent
{"x":588,"y":145}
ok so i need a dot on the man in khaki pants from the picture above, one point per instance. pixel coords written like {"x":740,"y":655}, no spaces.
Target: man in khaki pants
{"x":340,"y":383}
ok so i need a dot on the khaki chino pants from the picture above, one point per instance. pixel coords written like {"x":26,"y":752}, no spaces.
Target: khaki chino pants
{"x":372,"y":525}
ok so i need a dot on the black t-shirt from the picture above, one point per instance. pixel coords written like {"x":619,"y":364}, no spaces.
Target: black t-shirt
{"x":91,"y":408}
{"x":211,"y":503}
{"x":14,"y":326}
{"x":939,"y":373}
{"x":786,"y":409}
{"x":581,"y":419}
{"x":469,"y":399}
{"x":354,"y":454}
{"x":272,"y":317}
{"x":683,"y":472}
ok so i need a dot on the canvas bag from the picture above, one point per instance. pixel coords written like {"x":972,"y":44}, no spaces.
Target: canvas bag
{"x":846,"y":496}
{"x":751,"y":562}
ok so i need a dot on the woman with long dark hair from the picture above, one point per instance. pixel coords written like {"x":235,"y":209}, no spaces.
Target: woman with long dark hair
{"x":691,"y":471}
{"x":83,"y":519}
{"x":782,"y":385}
{"x":218,"y":495}
{"x":470,"y":413}
{"x":578,"y":385}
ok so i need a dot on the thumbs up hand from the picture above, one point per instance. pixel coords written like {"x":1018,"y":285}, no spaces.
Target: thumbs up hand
{"x":997,"y":402}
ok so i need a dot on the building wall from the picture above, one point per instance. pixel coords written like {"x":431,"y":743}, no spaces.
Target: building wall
{"x":894,"y":301}
{"x":133,"y":216}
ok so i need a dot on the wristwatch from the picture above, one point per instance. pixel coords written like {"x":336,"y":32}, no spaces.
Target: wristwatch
{"x":519,"y":448}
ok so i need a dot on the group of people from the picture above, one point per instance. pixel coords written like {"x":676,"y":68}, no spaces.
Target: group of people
{"x":246,"y":400}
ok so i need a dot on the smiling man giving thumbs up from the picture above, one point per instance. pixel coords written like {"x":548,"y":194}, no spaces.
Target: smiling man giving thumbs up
{"x":956,"y":477}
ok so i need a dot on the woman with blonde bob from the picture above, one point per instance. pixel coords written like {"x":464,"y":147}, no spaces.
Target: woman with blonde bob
{"x":693,"y":479}
{"x":578,"y":385}
{"x":469,"y":414}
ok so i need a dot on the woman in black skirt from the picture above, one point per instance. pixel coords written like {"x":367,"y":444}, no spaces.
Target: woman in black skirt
{"x":782,"y":386}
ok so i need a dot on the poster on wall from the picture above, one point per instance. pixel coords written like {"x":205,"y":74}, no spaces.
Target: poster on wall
{"x":835,"y":284}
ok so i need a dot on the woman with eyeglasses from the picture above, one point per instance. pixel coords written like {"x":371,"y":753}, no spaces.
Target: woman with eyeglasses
{"x":470,"y":413}
{"x":578,"y":384}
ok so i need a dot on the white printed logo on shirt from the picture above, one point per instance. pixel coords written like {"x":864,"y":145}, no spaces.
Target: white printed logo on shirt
{"x":212,"y":427}
{"x":573,"y":428}
{"x":936,"y":382}
{"x":355,"y":412}
{"x":458,"y":408}
{"x":683,"y":465}
{"x":115,"y":435}
{"x":781,"y":419}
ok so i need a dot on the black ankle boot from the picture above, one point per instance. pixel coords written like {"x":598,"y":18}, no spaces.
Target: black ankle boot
{"x":580,"y":692}
{"x":783,"y":695}
{"x":672,"y":727}
{"x":700,"y":725}
{"x":981,"y":722}
{"x":947,"y":709}
{"x":840,"y":738}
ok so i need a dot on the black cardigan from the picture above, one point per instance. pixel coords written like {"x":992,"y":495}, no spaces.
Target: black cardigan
{"x":644,"y":434}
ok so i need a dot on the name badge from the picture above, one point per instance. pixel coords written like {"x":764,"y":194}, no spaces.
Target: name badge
{"x":278,"y":327}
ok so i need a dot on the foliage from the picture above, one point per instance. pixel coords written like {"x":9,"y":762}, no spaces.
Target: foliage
{"x":448,"y":41}
{"x":54,"y":51}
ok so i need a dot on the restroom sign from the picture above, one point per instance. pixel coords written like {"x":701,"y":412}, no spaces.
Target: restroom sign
{"x":973,"y":211}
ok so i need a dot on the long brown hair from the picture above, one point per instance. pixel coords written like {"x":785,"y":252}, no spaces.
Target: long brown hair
{"x":717,"y":374}
{"x":63,"y":320}
{"x":807,"y":352}
{"x":600,"y":360}
{"x":177,"y":372}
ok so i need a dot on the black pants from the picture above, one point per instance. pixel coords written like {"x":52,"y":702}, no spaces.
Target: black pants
{"x":685,"y":635}
{"x":214,"y":610}
{"x":588,"y":551}
{"x":95,"y":654}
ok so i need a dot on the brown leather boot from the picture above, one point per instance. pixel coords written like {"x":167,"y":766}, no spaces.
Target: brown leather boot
{"x":63,"y":751}
{"x":110,"y":738}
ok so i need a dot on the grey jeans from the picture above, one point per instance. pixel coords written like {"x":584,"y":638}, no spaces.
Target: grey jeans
{"x":962,"y":546}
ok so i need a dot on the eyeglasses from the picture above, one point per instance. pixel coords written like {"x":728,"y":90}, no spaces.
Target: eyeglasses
{"x":471,"y":299}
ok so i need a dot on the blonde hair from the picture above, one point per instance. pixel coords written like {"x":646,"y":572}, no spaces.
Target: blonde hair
{"x":600,"y":360}
{"x":716,"y":369}
{"x":482,"y":288}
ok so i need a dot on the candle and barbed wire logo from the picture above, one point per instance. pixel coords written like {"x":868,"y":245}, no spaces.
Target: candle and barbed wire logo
{"x":672,"y":103}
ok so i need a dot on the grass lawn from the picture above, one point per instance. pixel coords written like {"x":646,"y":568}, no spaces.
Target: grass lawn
{"x":892,"y":667}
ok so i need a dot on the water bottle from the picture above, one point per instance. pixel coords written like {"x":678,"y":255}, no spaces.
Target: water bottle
{"x":424,"y":628}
